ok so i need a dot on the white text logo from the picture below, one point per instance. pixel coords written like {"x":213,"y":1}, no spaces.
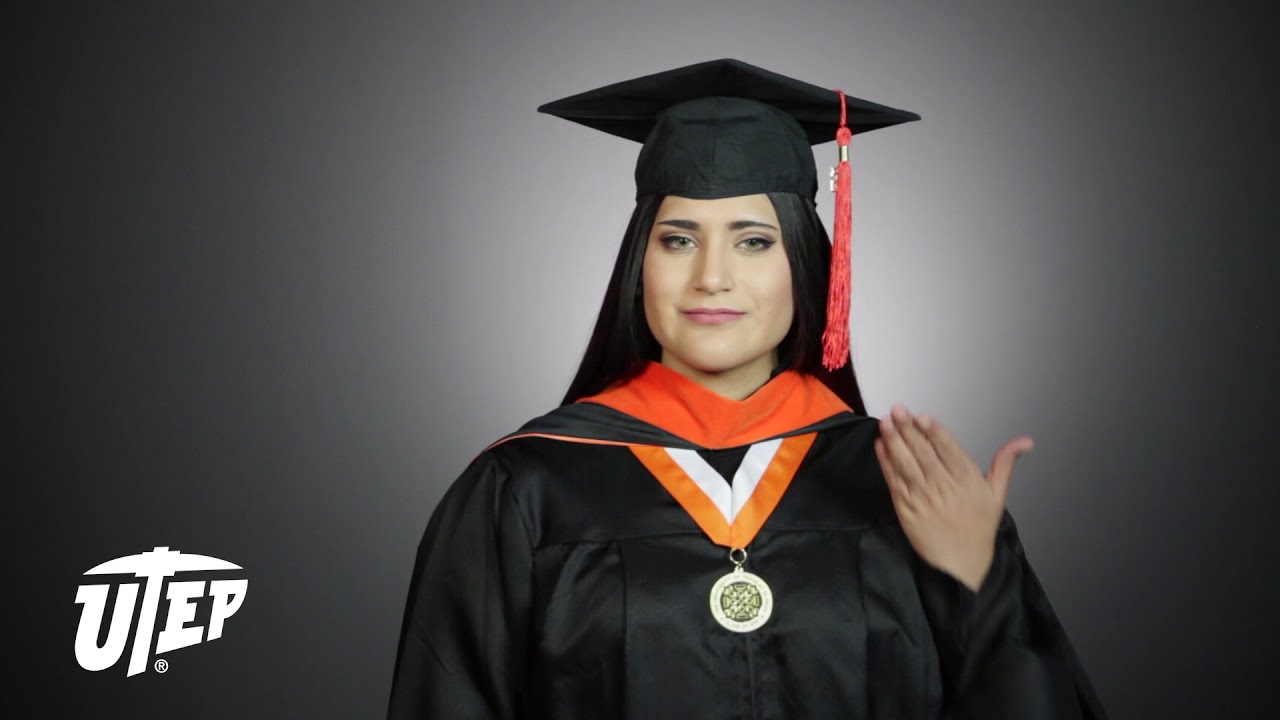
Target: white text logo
{"x":226,"y":596}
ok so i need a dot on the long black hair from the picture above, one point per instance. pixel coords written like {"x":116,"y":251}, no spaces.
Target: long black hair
{"x":621,"y":343}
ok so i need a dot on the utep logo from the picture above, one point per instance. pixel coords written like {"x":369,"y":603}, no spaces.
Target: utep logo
{"x":155,"y":566}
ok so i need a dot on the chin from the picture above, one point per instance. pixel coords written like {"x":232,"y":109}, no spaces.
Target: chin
{"x":715,"y":363}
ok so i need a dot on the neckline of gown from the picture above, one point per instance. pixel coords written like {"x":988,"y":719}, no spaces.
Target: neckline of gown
{"x":668,"y":400}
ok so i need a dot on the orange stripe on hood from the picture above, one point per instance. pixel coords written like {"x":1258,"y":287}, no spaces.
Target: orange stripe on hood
{"x":773,"y":483}
{"x":666,"y":399}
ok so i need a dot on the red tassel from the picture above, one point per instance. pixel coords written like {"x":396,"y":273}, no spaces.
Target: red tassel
{"x":835,"y":339}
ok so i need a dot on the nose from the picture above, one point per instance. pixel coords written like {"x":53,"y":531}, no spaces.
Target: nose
{"x":713,"y":272}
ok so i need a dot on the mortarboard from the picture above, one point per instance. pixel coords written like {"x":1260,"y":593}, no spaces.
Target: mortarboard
{"x":725,"y":128}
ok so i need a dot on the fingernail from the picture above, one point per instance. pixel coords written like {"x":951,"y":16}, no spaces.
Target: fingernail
{"x":924,"y":421}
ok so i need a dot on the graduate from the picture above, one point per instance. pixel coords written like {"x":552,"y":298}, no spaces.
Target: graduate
{"x":710,"y":526}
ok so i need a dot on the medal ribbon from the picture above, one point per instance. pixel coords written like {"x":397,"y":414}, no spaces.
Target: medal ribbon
{"x":768,"y":492}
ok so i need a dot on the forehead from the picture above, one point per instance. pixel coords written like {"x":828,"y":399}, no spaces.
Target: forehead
{"x":740,"y":207}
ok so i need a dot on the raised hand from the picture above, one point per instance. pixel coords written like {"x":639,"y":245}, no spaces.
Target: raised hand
{"x":949,"y":510}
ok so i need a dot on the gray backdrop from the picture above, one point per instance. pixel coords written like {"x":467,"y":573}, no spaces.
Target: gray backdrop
{"x":277,"y":271}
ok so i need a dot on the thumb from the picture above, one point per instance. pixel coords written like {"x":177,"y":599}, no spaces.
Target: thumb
{"x":1001,"y":474}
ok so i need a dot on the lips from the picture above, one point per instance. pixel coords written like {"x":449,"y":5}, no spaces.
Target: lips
{"x":713,"y":316}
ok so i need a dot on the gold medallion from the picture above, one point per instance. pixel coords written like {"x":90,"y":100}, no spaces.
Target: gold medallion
{"x":741,"y":601}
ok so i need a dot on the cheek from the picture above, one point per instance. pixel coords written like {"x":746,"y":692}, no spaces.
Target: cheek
{"x":783,"y":313}
{"x":660,"y":281}
{"x":780,"y":301}
{"x":653,"y":292}
{"x":648,"y":287}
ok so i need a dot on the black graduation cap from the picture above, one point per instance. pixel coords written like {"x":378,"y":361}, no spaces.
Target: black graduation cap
{"x":726,"y":128}
{"x":723,"y":128}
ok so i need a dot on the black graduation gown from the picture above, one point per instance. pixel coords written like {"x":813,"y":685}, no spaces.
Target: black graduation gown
{"x":559,"y":579}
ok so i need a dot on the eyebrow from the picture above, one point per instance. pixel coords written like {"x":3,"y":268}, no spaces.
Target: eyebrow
{"x":735,"y":225}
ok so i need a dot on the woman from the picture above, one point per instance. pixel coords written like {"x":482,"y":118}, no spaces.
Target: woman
{"x":709,"y":526}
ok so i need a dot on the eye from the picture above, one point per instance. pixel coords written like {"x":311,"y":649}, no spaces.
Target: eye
{"x":677,"y":242}
{"x":757,"y":243}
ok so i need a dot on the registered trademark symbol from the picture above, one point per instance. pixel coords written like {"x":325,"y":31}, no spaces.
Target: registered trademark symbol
{"x":162,"y":665}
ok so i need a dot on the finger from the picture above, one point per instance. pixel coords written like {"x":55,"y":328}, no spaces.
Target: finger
{"x":900,"y":456}
{"x":897,"y":487}
{"x":892,"y":475}
{"x":950,"y":454}
{"x":921,"y":449}
{"x":1001,"y":474}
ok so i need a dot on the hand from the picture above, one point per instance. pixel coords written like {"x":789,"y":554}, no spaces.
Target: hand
{"x":948,"y":509}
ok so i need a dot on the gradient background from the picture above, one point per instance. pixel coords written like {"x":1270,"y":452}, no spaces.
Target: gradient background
{"x":279,"y":270}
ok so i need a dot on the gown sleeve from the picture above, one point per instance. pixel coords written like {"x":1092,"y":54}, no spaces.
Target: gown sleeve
{"x":1002,"y":651}
{"x":462,"y":644}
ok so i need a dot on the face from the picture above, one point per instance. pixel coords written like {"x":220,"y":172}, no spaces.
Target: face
{"x":717,"y":287}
